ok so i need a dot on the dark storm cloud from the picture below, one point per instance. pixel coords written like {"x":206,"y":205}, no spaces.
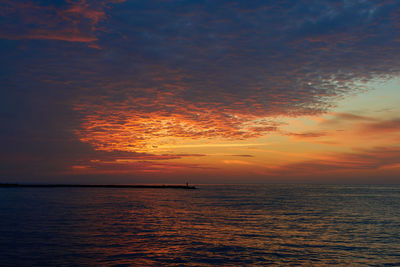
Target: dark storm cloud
{"x":189,"y":69}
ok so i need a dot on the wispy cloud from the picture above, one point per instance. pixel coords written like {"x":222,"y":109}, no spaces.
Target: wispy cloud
{"x":363,"y":159}
{"x":306,"y":135}
{"x":72,"y":21}
{"x":237,"y":162}
{"x":342,"y":118}
{"x":382,"y":127}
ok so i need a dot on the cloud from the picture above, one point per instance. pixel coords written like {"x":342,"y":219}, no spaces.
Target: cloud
{"x":348,"y":130}
{"x":382,"y":127}
{"x":230,"y":72}
{"x":172,"y":72}
{"x":342,"y":118}
{"x":98,"y":162}
{"x":363,"y":159}
{"x":72,"y":21}
{"x":237,"y":162}
{"x":361,"y":125}
{"x":351,"y":117}
{"x":149,"y":163}
{"x":129,"y":130}
{"x":307,"y":134}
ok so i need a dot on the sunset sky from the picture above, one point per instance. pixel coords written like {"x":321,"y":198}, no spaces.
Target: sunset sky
{"x":126,"y":91}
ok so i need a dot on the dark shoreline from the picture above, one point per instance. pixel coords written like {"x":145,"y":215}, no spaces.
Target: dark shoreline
{"x":99,"y":186}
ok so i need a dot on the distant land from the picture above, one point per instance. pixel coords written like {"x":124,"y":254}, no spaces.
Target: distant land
{"x":99,"y":186}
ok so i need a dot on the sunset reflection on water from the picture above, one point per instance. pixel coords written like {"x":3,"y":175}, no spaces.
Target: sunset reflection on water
{"x":215,"y":225}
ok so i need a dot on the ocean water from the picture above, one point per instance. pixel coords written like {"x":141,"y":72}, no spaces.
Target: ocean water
{"x":217,"y":225}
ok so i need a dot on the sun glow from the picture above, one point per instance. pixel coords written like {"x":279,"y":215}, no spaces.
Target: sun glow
{"x":154,"y":133}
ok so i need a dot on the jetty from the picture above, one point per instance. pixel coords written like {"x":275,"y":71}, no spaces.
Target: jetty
{"x":100,"y":186}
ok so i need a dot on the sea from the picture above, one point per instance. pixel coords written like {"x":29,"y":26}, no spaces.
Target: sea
{"x":215,"y":225}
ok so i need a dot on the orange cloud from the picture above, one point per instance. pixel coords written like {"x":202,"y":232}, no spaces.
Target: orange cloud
{"x":363,"y":159}
{"x":382,"y":127}
{"x":236,"y":162}
{"x":129,"y":166}
{"x":306,"y":135}
{"x":145,"y":124}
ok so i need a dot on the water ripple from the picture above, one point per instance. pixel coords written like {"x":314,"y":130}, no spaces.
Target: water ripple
{"x":216,"y":225}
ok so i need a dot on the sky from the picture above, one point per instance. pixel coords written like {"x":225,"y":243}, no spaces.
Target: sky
{"x":127,"y":91}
